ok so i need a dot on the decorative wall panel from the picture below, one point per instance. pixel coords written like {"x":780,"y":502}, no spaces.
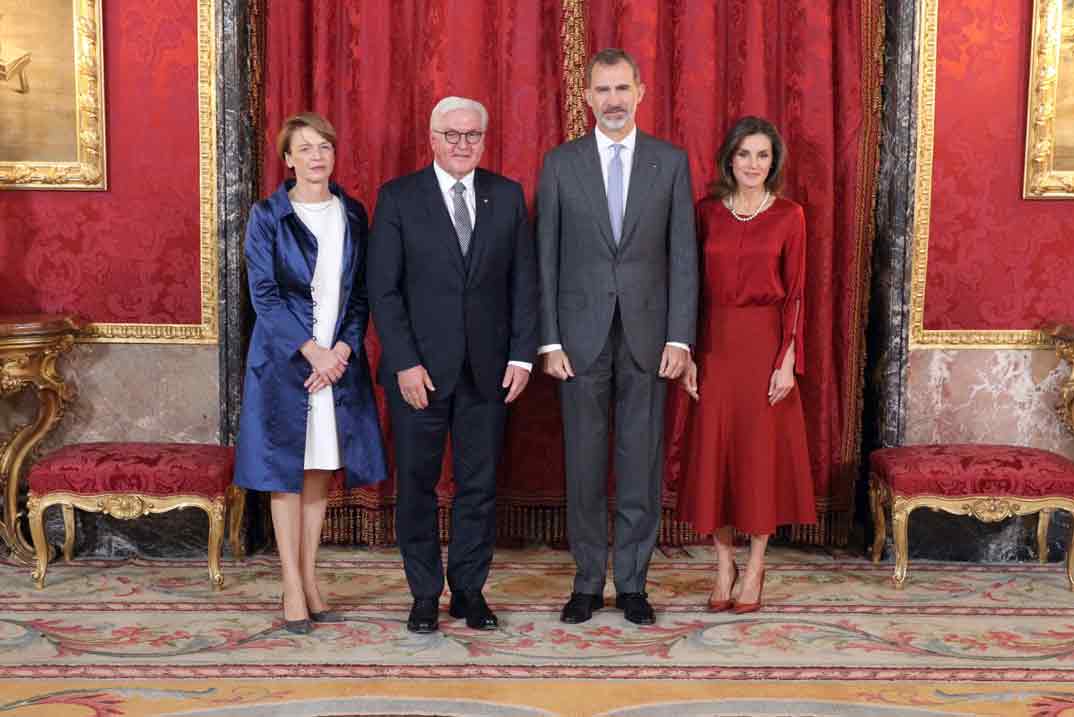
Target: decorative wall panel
{"x":989,"y":267}
{"x":138,"y":261}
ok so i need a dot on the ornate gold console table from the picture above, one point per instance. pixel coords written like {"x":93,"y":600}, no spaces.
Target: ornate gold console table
{"x":29,"y":348}
{"x":1063,"y":335}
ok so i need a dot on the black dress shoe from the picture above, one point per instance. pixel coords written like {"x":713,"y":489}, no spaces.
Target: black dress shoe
{"x":636,"y":608}
{"x":298,"y":627}
{"x":327,"y":616}
{"x":580,"y":608}
{"x":473,"y":607}
{"x":424,"y":616}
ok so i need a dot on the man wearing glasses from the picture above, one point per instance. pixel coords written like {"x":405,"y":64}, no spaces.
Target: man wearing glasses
{"x":452,"y":282}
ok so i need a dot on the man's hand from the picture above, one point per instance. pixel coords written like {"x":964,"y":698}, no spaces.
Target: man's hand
{"x":414,"y":383}
{"x":515,"y":380}
{"x":688,"y":380}
{"x":327,"y":366}
{"x":673,"y":362}
{"x":557,"y":365}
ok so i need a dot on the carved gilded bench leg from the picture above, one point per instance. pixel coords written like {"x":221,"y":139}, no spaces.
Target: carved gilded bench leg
{"x":68,"y":532}
{"x":216,"y":535}
{"x":35,"y":514}
{"x":236,"y":499}
{"x":900,"y":523}
{"x":1044,"y":520}
{"x":880,"y":527}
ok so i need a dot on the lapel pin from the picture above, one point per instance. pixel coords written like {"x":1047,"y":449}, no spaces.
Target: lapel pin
{"x":485,"y":200}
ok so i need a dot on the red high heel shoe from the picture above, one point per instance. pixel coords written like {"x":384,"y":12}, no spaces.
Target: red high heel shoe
{"x":744,"y":607}
{"x":722,"y":605}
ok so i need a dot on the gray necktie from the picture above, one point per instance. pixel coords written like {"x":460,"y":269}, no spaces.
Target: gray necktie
{"x":461,"y":217}
{"x":615,"y":192}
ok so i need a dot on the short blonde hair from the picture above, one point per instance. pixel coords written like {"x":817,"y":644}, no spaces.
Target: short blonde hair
{"x":300,"y":121}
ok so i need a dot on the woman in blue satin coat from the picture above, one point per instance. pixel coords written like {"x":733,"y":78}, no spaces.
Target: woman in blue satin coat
{"x":308,"y":407}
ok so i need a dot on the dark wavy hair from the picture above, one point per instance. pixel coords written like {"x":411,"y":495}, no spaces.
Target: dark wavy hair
{"x":725,"y":183}
{"x":608,"y":57}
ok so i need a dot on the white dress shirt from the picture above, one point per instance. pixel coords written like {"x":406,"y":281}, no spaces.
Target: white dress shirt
{"x":447,"y":191}
{"x":626,"y":155}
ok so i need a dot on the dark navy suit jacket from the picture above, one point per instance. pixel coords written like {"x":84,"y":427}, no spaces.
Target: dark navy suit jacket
{"x":434,"y":307}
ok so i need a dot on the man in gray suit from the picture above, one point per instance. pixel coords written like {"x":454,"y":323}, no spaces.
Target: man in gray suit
{"x":617,"y":258}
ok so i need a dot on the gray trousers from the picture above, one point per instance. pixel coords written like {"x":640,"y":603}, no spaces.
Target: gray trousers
{"x":639,"y":460}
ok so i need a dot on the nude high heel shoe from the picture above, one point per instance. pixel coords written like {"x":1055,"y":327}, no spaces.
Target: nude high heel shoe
{"x":745,"y":607}
{"x":722,"y":605}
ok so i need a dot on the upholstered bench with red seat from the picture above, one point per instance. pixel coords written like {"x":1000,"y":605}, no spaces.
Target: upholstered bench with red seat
{"x":129,"y":480}
{"x":989,"y":482}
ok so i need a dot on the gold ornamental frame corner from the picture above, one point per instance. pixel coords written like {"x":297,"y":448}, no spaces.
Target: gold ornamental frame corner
{"x":920,"y":337}
{"x":207,"y":331}
{"x":1042,"y":180}
{"x":89,"y":170}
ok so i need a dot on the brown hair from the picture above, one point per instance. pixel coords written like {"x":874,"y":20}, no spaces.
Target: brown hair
{"x":608,"y":57}
{"x":296,"y":122}
{"x":725,"y":184}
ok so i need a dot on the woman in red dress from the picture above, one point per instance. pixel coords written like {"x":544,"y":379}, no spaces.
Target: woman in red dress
{"x":747,"y":464}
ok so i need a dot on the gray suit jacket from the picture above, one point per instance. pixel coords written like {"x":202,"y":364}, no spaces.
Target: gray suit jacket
{"x":652,"y":274}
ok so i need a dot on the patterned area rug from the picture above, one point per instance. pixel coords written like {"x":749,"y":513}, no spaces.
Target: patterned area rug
{"x":149,"y":637}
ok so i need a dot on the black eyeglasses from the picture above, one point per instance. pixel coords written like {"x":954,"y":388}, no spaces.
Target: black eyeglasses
{"x":452,"y":136}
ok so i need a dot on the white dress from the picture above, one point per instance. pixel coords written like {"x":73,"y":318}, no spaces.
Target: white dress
{"x":325,"y":221}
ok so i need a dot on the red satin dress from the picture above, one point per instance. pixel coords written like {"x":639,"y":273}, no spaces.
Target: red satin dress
{"x":746,"y":463}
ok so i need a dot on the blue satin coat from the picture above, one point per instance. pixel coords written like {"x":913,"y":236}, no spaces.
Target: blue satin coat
{"x":281,"y":254}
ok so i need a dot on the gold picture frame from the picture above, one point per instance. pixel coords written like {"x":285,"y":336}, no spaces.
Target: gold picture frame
{"x":920,"y":337}
{"x":1049,"y":164}
{"x":207,"y":331}
{"x":87,"y":168}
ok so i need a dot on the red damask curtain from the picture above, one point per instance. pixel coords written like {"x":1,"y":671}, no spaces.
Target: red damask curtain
{"x":812,"y":66}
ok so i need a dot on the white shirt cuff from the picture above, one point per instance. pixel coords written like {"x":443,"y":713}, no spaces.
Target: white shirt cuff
{"x":521,"y":364}
{"x":678,"y":344}
{"x":548,"y":348}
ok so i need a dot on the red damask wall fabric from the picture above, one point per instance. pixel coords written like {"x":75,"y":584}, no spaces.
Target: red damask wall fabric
{"x":811,"y":66}
{"x":995,"y":261}
{"x":130,"y":254}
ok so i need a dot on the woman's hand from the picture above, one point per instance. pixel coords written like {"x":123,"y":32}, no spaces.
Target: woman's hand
{"x":688,"y":380}
{"x":328,"y":366}
{"x":343,"y":350}
{"x":782,"y":381}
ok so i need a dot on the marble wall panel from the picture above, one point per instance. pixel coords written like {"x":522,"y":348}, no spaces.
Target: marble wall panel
{"x":987,"y":396}
{"x":141,"y":392}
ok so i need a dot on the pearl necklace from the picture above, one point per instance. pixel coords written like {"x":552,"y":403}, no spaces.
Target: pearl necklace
{"x":744,"y":218}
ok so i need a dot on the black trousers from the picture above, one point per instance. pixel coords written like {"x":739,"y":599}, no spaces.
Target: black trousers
{"x":476,"y":428}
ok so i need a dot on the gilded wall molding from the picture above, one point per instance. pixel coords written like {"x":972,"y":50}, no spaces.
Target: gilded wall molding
{"x":920,"y":337}
{"x":575,"y":57}
{"x":207,"y":331}
{"x":89,"y":170}
{"x":1042,"y":180}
